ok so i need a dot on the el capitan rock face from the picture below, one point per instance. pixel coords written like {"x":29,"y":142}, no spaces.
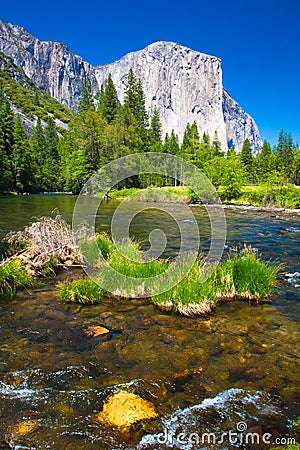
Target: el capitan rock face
{"x":184,"y":84}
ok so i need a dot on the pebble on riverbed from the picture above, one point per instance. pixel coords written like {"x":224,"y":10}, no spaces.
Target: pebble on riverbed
{"x":95,"y":330}
{"x":20,"y":429}
{"x":124,"y":409}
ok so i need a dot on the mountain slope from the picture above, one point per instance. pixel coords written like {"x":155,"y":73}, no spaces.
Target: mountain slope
{"x":27,"y":100}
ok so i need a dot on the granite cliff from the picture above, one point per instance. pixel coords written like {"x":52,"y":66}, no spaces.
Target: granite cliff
{"x":50,"y":65}
{"x":184,"y":84}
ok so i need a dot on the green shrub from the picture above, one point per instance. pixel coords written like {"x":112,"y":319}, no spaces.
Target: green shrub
{"x":13,"y":275}
{"x":105,"y":245}
{"x":83,"y":291}
{"x":288,"y":196}
{"x":162,"y":195}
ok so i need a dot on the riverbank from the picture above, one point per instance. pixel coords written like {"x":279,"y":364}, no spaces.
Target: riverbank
{"x":260,"y":198}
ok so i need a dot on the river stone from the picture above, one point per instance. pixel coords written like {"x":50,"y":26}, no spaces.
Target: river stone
{"x":124,"y":409}
{"x":95,"y":330}
{"x":246,"y":374}
{"x":21,"y":429}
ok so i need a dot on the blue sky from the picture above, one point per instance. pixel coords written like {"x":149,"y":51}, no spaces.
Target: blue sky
{"x":258,"y":42}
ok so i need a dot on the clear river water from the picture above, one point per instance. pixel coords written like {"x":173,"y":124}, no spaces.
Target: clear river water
{"x":237,"y":370}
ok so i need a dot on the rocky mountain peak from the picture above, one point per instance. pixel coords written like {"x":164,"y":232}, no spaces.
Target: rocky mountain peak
{"x":185,"y":85}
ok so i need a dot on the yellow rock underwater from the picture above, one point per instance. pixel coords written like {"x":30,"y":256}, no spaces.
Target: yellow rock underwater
{"x":124,"y":408}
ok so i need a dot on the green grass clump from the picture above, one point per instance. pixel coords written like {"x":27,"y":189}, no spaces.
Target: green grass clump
{"x":243,"y":276}
{"x":105,"y":245}
{"x":83,"y":291}
{"x":190,"y":297}
{"x":13,"y":275}
{"x":91,"y":251}
{"x":127,"y":260}
{"x":246,"y":275}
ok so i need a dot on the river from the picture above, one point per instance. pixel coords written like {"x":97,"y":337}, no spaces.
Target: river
{"x":239,"y":366}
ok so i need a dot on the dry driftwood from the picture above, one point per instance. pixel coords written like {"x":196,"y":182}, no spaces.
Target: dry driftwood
{"x":45,"y":237}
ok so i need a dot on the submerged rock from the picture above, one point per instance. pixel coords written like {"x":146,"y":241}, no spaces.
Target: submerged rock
{"x":21,"y":429}
{"x":245,"y":373}
{"x":95,"y":330}
{"x":124,"y":409}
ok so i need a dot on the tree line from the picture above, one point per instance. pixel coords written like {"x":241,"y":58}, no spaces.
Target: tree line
{"x":103,"y":129}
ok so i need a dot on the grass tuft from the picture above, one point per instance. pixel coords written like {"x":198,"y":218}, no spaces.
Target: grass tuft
{"x":83,"y":291}
{"x":50,"y":267}
{"x":189,"y":297}
{"x":90,"y":248}
{"x":127,"y":260}
{"x":13,"y":275}
{"x":246,"y":276}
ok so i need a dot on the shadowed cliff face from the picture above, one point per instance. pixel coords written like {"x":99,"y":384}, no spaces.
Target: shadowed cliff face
{"x":50,"y":65}
{"x":184,"y":84}
{"x":239,"y":125}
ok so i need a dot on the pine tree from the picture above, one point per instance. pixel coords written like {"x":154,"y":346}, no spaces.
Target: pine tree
{"x":284,"y":152}
{"x":86,"y":100}
{"x":186,"y":139}
{"x":296,"y":167}
{"x":135,"y":99}
{"x":233,"y":175}
{"x":38,"y":150}
{"x":190,"y":143}
{"x":5,"y":167}
{"x":109,"y":103}
{"x":21,"y":160}
{"x":75,"y":169}
{"x":171,"y":146}
{"x":155,"y":128}
{"x":141,"y":105}
{"x":205,"y":151}
{"x":247,"y":159}
{"x":6,"y":122}
{"x":263,"y":162}
{"x":216,"y":145}
{"x":51,"y":139}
